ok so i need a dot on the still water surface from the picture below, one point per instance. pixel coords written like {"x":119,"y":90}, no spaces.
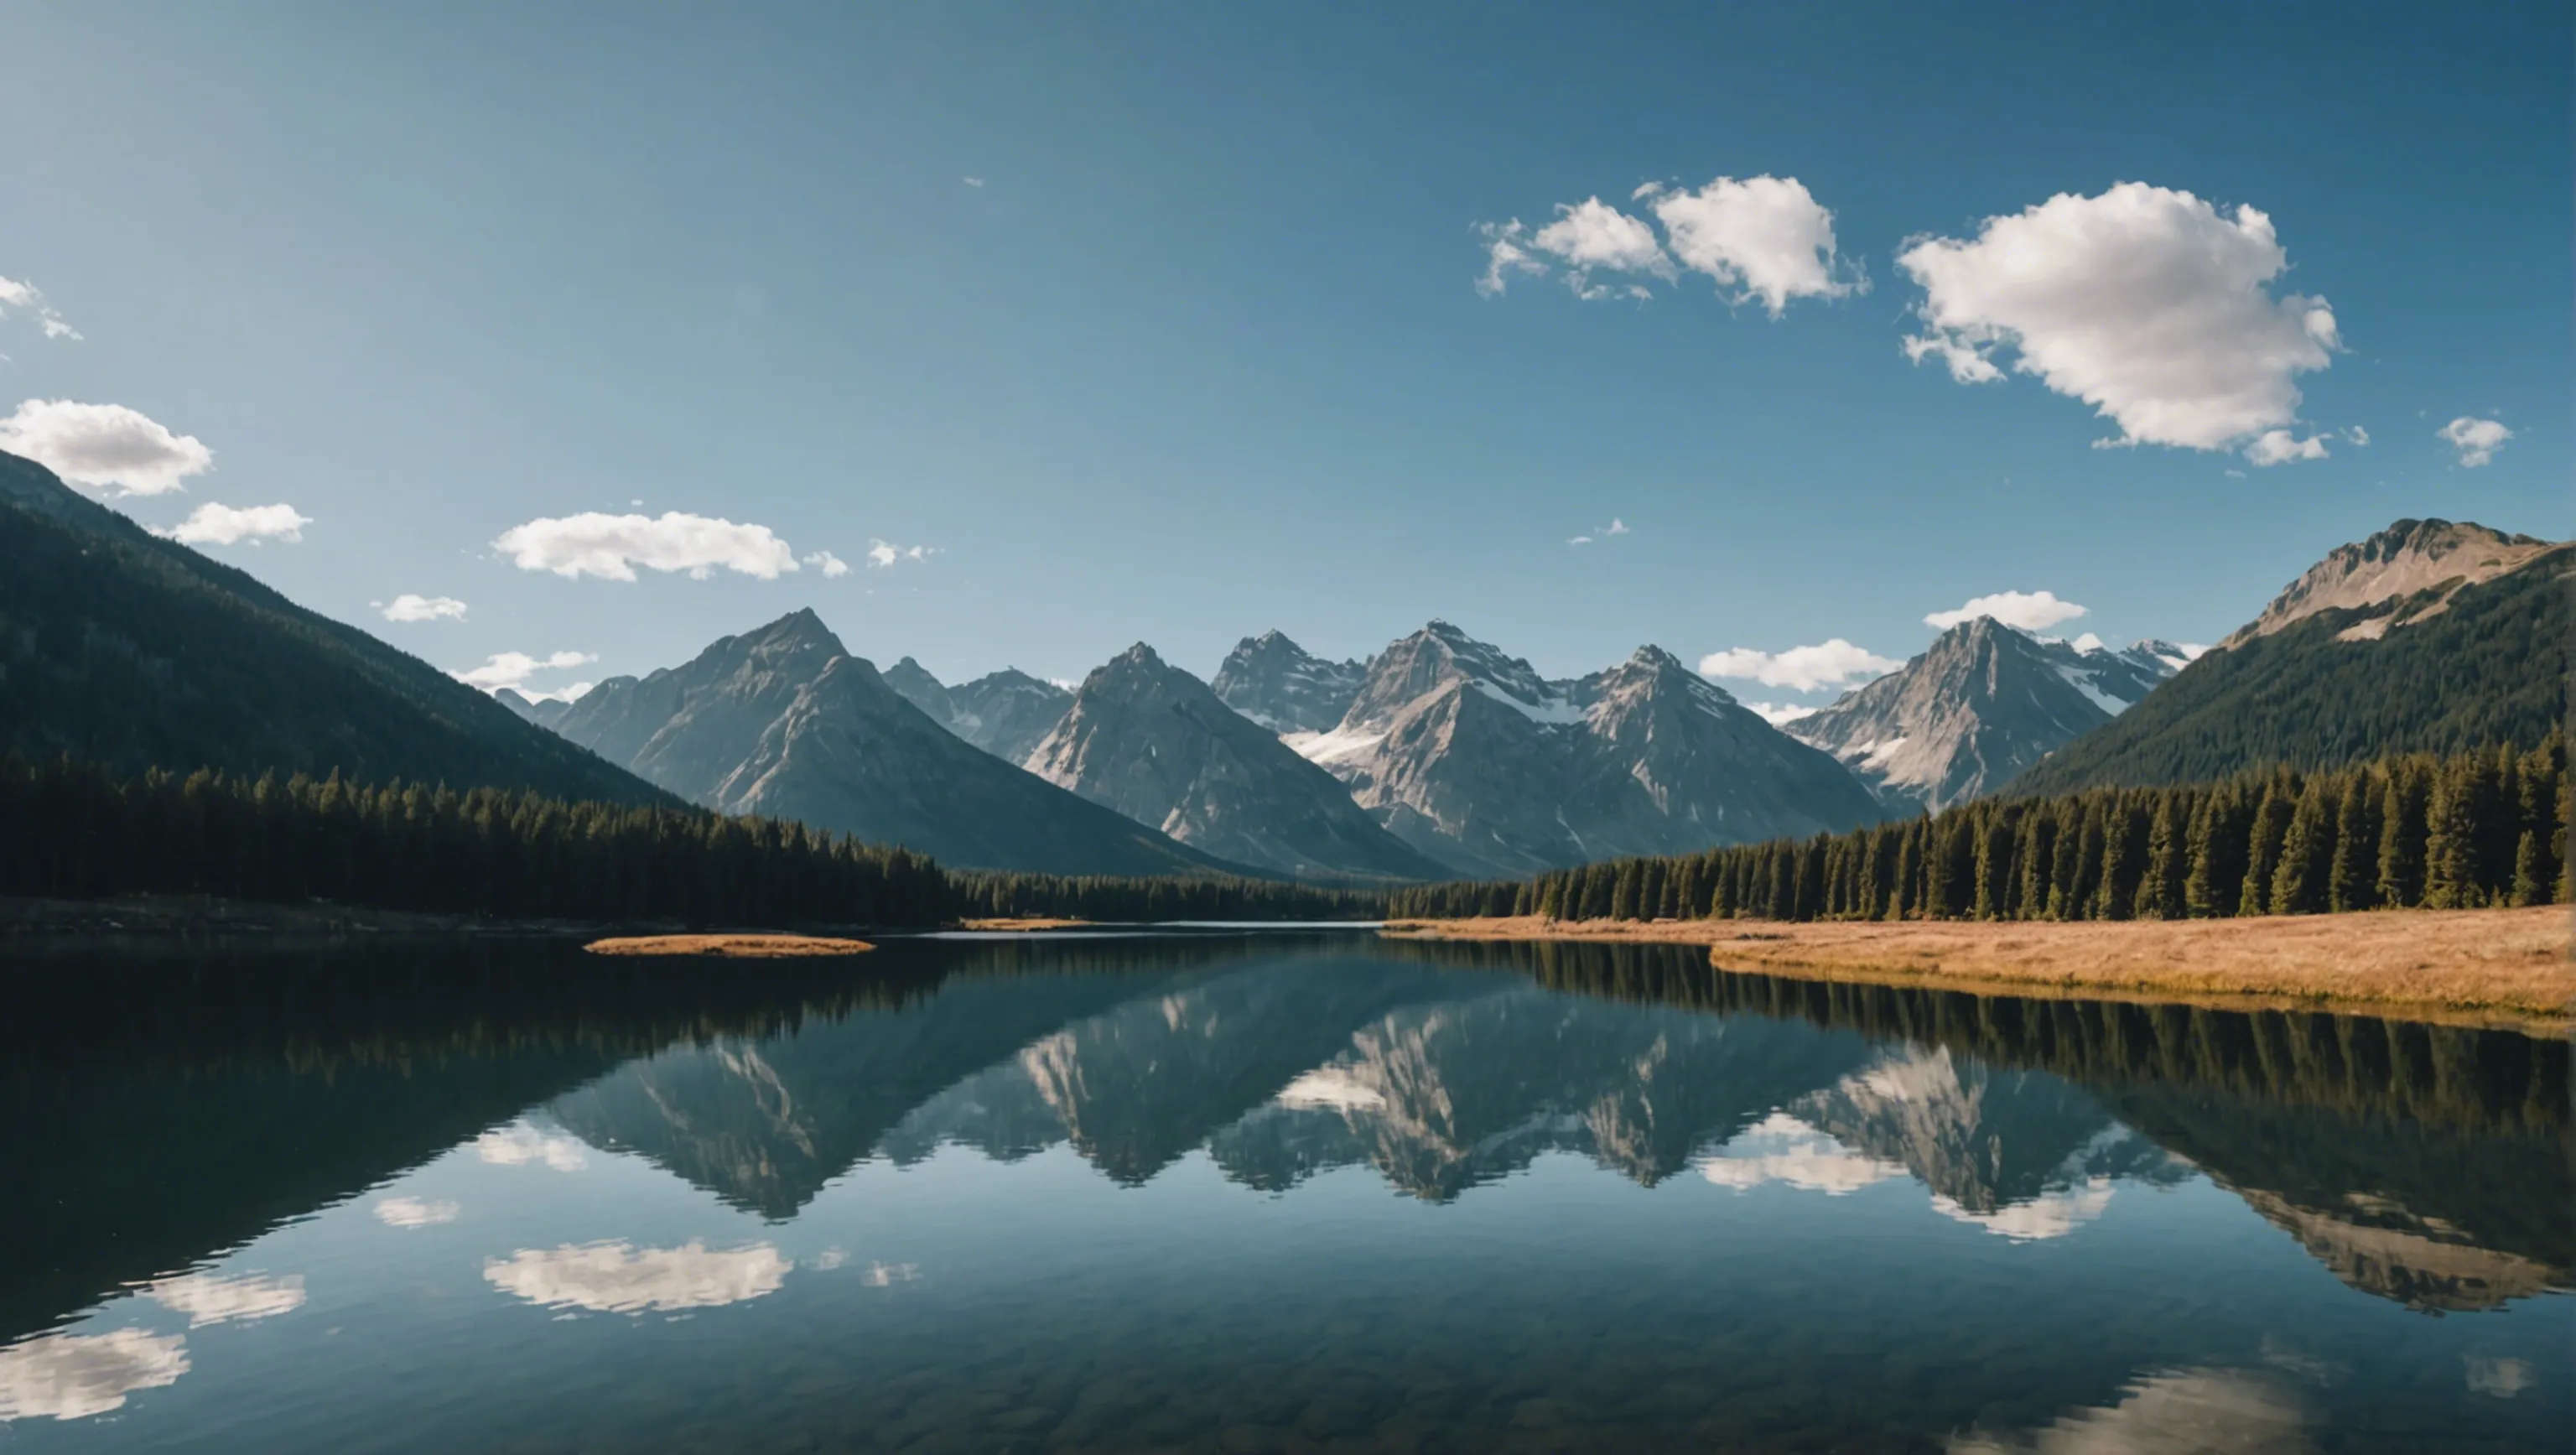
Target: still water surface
{"x":1248,"y":1193}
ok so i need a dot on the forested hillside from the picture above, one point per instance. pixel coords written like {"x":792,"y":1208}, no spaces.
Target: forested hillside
{"x":124,"y":649}
{"x":2489,"y":667}
{"x":2484,"y":827}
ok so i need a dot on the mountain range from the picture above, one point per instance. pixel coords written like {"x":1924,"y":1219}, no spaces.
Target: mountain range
{"x":1441,"y":755}
{"x":783,"y":721}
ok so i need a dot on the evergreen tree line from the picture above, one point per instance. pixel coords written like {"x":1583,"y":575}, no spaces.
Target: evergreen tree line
{"x":74,"y":830}
{"x":2483,"y":827}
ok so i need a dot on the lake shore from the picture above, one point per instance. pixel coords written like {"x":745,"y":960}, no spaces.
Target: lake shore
{"x":730,"y":947}
{"x":2487,"y":966}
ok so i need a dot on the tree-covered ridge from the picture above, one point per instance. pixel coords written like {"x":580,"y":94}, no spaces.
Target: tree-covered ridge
{"x":124,"y":649}
{"x":75,"y":831}
{"x":2484,"y":827}
{"x":2487,"y":667}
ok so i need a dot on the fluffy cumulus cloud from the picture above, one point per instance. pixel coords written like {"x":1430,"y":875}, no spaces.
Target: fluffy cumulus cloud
{"x":2477,"y":440}
{"x":27,"y":298}
{"x":828,"y":564}
{"x":2029,"y":610}
{"x":412,"y":606}
{"x":206,"y":1299}
{"x":619,"y":1278}
{"x":74,"y":1376}
{"x":886,"y":553}
{"x":612,"y":546}
{"x":226,"y":525}
{"x":1800,"y":669}
{"x":2280,"y":447}
{"x":104,"y":446}
{"x":1764,"y":238}
{"x":521,"y":1145}
{"x":2149,"y":304}
{"x":512,"y":670}
{"x":1780,"y":1148}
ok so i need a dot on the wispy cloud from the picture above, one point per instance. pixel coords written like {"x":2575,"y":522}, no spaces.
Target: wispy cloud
{"x":411,"y":606}
{"x":2477,"y":440}
{"x":887,"y":553}
{"x":512,"y":670}
{"x":27,"y":297}
{"x":828,"y":564}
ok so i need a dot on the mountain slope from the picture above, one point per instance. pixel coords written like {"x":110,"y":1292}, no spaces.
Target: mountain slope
{"x":134,"y":651}
{"x":1468,"y":755}
{"x":783,"y":722}
{"x":2462,"y":665}
{"x":1154,"y":743}
{"x":1284,"y":687}
{"x":1979,"y":706}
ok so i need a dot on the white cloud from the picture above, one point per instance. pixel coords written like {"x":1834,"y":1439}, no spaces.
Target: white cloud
{"x":411,"y":606}
{"x":224,"y":525}
{"x":1800,"y":669}
{"x":2499,"y":1378}
{"x":2086,"y":642}
{"x":1505,"y":254}
{"x":519,"y":1144}
{"x":1779,"y":714}
{"x":2277,"y":447}
{"x":619,"y":1278}
{"x":412,"y":1212}
{"x":886,"y":553}
{"x":72,"y":1376}
{"x":2477,"y":440}
{"x":2053,"y":1214}
{"x":104,"y":446}
{"x":1766,"y":235}
{"x":1593,"y":234}
{"x":828,"y":564}
{"x":1781,"y":1148}
{"x":1578,"y":540}
{"x":206,"y":1299}
{"x":17,"y":294}
{"x":2147,"y":303}
{"x":2357,"y":435}
{"x":2029,"y":610}
{"x":612,"y":546}
{"x":512,"y":670}
{"x":972,"y":181}
{"x":1616,"y":527}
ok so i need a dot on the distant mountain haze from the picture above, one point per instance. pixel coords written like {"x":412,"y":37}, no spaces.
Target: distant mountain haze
{"x":1153,"y":742}
{"x":136,"y":652}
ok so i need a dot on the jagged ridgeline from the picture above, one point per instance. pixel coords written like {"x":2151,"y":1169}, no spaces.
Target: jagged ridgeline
{"x":77,"y":831}
{"x":2485,"y":827}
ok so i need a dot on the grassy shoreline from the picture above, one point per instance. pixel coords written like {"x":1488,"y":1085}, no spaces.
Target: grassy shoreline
{"x":2485,"y":966}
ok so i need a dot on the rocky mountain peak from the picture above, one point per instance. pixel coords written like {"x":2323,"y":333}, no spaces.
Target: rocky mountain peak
{"x":1282,"y":686}
{"x":2409,"y":557}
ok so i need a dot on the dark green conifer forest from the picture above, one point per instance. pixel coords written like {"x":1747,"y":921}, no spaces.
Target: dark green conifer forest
{"x":2478,"y":828}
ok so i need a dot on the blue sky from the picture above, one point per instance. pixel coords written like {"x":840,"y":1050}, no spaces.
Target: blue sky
{"x":1200,"y":349}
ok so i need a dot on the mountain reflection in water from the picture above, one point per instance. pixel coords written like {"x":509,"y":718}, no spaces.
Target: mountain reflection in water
{"x":684,"y":1142}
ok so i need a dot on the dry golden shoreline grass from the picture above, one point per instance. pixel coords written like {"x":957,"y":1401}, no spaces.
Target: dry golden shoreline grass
{"x":1021,"y":926}
{"x":2505,"y":966}
{"x":730,"y":947}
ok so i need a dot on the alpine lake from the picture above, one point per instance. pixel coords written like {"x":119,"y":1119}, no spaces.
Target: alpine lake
{"x":1251,"y":1190}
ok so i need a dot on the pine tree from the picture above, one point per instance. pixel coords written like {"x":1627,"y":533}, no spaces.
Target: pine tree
{"x":2299,"y":882}
{"x":2530,"y":877}
{"x":2263,"y":845}
{"x":2160,"y":887}
{"x":2404,"y":809}
{"x":2351,"y":878}
{"x":2452,"y":871}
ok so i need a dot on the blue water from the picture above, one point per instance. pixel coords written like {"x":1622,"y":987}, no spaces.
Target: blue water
{"x":1253,"y":1193}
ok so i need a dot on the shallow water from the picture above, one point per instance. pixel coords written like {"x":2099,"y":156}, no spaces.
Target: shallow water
{"x":1244,"y":1193}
